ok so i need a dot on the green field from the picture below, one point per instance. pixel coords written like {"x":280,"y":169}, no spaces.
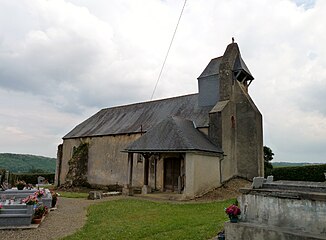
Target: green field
{"x":290,"y":164}
{"x":142,"y":219}
{"x":26,"y":163}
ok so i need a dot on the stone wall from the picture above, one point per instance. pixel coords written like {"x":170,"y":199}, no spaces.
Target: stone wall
{"x":107,"y":165}
{"x":202,"y":174}
{"x":249,"y":135}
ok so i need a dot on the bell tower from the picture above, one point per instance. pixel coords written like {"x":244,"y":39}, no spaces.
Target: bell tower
{"x":235,"y":123}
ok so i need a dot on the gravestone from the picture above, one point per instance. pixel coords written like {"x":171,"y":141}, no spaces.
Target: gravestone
{"x":40,"y":180}
{"x":258,"y":182}
{"x":92,"y":195}
{"x":270,"y":179}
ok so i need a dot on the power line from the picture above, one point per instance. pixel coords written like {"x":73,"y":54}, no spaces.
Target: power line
{"x":167,"y":54}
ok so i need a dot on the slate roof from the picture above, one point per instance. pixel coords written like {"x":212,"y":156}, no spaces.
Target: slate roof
{"x":239,"y":64}
{"x":131,"y":118}
{"x":212,"y":68}
{"x":173,"y":134}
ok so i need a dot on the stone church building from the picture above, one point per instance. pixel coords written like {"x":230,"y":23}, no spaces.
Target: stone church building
{"x":188,"y":144}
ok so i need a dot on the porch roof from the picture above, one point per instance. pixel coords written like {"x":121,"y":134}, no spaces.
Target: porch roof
{"x":174,"y":134}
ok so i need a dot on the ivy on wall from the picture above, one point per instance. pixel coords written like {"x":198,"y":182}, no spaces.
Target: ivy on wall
{"x":77,"y":173}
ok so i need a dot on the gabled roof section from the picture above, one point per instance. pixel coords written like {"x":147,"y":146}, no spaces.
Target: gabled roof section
{"x":239,"y":64}
{"x":173,"y":134}
{"x":132,"y":118}
{"x":212,"y":68}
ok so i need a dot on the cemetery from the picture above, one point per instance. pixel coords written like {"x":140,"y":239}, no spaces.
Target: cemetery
{"x":23,"y":206}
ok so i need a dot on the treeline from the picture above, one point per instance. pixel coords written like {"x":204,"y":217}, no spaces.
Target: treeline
{"x":25,"y":163}
{"x":291,"y":164}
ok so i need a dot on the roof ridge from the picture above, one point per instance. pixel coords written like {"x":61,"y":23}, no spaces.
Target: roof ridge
{"x":150,"y":101}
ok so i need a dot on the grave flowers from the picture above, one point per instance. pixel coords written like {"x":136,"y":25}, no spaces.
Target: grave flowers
{"x":0,"y":206}
{"x":20,"y":185}
{"x":39,"y":212}
{"x":233,"y":211}
{"x":39,"y":193}
{"x":30,"y":200}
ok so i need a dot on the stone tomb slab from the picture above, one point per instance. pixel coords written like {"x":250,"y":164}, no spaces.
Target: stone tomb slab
{"x":296,"y":185}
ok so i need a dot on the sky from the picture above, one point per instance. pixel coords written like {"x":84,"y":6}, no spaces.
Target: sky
{"x":61,"y":61}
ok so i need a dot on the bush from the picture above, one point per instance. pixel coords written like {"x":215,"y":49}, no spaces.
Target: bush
{"x":2,"y":173}
{"x":31,"y":178}
{"x":310,"y":173}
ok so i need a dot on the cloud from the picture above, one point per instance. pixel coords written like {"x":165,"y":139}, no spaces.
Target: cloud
{"x":61,"y":61}
{"x":63,"y":47}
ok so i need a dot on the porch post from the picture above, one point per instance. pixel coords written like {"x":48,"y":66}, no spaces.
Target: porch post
{"x":127,"y":190}
{"x":146,"y":170}
{"x":155,"y":174}
{"x":146,"y":189}
{"x":130,"y":166}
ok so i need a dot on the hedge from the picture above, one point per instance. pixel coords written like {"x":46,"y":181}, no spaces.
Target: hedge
{"x":310,"y":173}
{"x":31,"y":178}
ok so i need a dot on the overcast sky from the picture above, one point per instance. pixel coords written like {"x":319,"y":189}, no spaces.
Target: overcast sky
{"x":61,"y":61}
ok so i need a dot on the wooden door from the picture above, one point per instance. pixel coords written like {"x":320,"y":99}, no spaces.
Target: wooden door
{"x":171,"y":173}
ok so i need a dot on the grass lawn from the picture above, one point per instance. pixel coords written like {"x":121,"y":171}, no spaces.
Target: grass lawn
{"x":73,"y":194}
{"x":142,"y":219}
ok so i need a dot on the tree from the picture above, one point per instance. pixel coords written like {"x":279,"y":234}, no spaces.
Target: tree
{"x":268,"y":157}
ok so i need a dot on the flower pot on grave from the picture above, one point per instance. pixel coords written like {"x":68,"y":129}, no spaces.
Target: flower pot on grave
{"x":234,"y":219}
{"x":37,"y":220}
{"x":221,"y":236}
{"x":54,"y":202}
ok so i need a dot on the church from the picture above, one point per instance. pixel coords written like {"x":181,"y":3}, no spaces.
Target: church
{"x":188,"y":144}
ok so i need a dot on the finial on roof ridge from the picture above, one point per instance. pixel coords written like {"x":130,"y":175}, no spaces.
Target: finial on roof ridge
{"x":232,"y":39}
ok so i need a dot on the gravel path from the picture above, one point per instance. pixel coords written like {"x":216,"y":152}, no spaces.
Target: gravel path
{"x":65,"y":220}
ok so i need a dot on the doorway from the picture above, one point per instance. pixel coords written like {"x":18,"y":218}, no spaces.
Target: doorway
{"x":172,"y":167}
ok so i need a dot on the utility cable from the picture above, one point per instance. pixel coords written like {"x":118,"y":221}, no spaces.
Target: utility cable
{"x":167,"y":54}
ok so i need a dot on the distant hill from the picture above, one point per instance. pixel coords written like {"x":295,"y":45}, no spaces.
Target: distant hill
{"x":291,"y":164}
{"x":26,"y":163}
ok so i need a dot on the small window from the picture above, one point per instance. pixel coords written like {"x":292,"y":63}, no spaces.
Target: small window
{"x":232,"y":122}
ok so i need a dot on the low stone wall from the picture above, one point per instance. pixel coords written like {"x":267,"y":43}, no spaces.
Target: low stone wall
{"x":254,"y":231}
